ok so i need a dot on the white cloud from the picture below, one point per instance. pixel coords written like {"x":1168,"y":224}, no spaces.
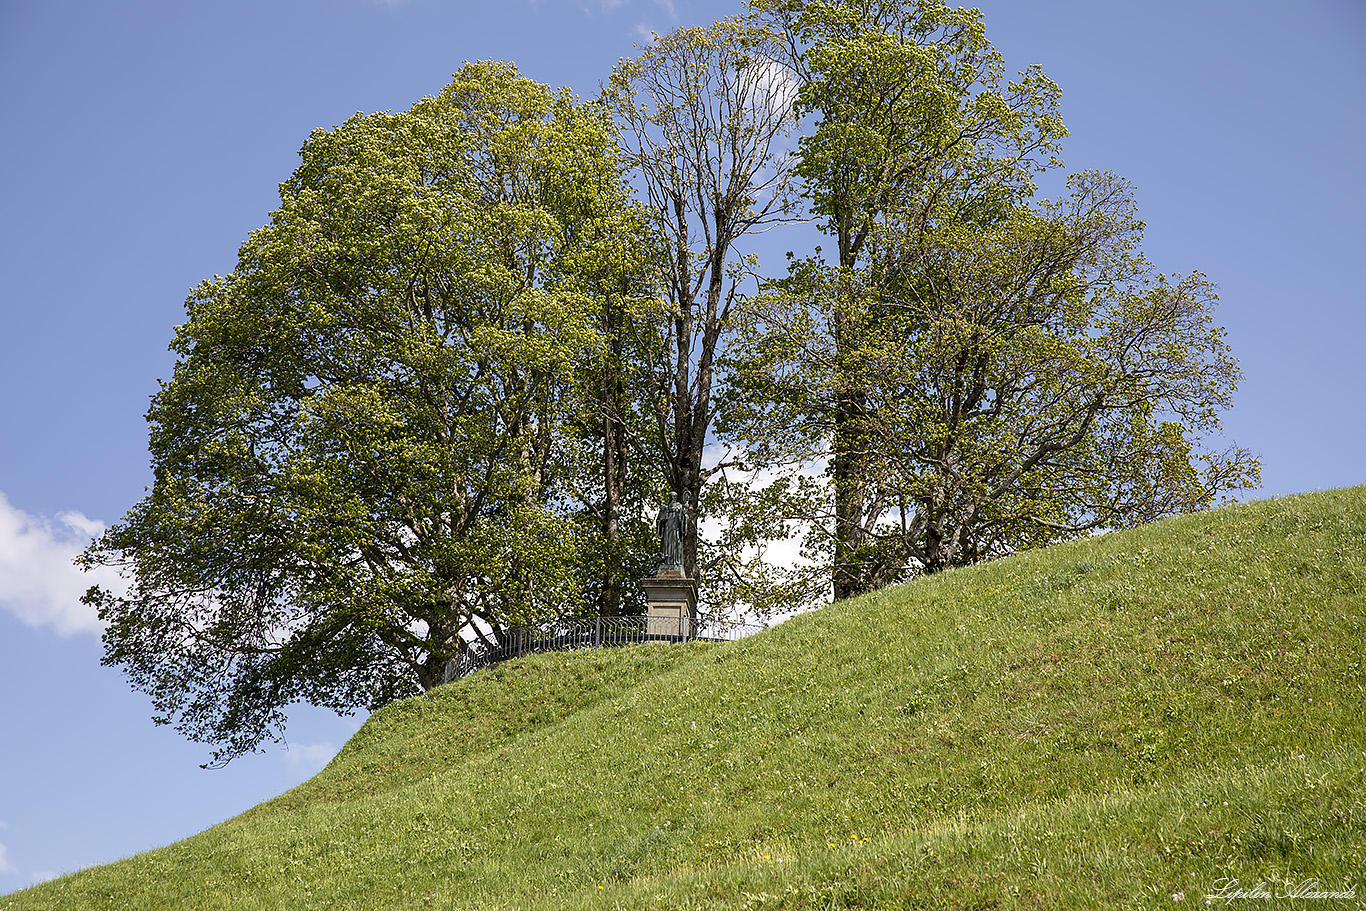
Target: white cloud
{"x":5,"y":865}
{"x":309,"y":755}
{"x":38,"y":583}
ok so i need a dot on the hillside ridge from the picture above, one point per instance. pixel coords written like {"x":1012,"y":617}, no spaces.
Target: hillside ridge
{"x":1110,"y":722}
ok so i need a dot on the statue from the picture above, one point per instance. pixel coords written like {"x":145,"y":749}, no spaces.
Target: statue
{"x":672,"y":524}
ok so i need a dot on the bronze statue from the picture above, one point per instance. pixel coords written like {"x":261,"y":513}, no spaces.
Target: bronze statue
{"x":672,"y":524}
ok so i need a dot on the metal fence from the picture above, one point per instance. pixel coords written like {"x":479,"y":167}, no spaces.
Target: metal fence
{"x":592,"y":632}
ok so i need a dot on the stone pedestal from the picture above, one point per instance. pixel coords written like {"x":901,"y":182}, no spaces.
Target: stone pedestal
{"x":672,"y":600}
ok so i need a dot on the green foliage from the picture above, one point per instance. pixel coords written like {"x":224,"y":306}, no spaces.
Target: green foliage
{"x":449,"y":382}
{"x":357,"y":459}
{"x":979,"y":372}
{"x":911,"y":109}
{"x":1018,"y":383}
{"x":704,"y":114}
{"x":1103,"y":723}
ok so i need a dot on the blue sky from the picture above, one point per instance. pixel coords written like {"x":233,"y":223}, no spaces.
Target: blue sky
{"x":142,"y":141}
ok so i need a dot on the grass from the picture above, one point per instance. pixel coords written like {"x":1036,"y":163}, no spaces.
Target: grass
{"x":1125,"y":721}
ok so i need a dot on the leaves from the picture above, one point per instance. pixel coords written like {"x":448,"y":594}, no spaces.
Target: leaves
{"x":450,"y":380}
{"x":357,"y":459}
{"x":705,"y":114}
{"x":980,"y":371}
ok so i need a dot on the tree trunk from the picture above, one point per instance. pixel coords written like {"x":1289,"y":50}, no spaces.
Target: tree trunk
{"x":609,"y":604}
{"x":848,"y":466}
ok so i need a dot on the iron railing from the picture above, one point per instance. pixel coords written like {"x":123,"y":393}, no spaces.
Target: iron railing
{"x":591,"y":632}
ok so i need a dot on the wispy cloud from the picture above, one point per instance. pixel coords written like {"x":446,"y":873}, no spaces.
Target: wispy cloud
{"x":309,"y":755}
{"x":38,"y":583}
{"x":645,"y":31}
{"x":8,"y":868}
{"x":5,"y":865}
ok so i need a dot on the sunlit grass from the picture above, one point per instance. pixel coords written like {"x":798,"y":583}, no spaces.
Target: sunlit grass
{"x":1107,"y":723}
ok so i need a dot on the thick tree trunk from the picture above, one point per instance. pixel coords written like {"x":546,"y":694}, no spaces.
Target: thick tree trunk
{"x":432,"y":673}
{"x":609,"y":604}
{"x":850,"y":575}
{"x":691,"y":404}
{"x":849,"y":473}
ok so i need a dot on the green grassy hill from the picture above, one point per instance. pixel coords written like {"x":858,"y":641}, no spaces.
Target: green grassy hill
{"x":1118,"y":722}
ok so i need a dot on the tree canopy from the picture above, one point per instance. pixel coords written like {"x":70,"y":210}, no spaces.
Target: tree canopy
{"x":977,"y":371}
{"x":451,"y":380}
{"x":1020,"y":382}
{"x":705,"y":115}
{"x":358,"y":460}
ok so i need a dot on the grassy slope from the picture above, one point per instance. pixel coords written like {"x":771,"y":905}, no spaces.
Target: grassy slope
{"x":1104,"y":723}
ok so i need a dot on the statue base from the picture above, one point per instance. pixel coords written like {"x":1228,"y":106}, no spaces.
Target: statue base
{"x":672,"y":600}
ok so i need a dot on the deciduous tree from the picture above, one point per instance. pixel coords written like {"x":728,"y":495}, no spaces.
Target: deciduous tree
{"x":1021,"y":381}
{"x":914,"y":122}
{"x":358,"y":460}
{"x":705,"y":114}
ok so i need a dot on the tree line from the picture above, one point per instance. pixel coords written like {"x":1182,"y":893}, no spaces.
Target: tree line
{"x":481,"y":340}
